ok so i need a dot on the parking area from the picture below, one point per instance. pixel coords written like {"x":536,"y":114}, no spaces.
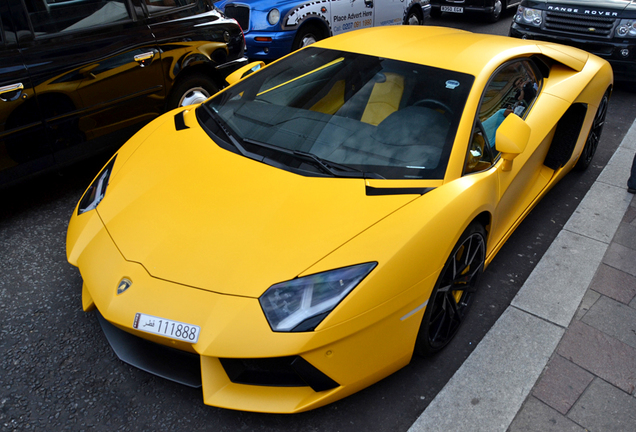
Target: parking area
{"x":57,"y":371}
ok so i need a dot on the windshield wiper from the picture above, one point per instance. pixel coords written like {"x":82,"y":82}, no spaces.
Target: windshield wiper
{"x":230,"y":136}
{"x":327,"y":167}
{"x":339,"y":171}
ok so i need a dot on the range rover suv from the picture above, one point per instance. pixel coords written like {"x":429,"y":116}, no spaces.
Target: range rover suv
{"x":80,"y":76}
{"x":606,"y":28}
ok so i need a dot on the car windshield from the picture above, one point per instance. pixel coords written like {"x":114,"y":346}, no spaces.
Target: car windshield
{"x":341,"y":112}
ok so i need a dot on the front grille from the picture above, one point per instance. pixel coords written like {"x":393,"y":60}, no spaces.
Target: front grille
{"x":240,"y":14}
{"x":579,"y":24}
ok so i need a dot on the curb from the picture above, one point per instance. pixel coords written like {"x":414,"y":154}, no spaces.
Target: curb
{"x":493,"y":383}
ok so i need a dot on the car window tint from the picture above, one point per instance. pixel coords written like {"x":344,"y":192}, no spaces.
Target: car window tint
{"x":513,"y":89}
{"x":48,"y":17}
{"x":379,"y":115}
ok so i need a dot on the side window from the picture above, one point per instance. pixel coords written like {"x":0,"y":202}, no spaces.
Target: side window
{"x":7,"y":29}
{"x":49,"y":16}
{"x":513,"y":89}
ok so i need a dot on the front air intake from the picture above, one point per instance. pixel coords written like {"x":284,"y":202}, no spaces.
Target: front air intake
{"x":293,"y":371}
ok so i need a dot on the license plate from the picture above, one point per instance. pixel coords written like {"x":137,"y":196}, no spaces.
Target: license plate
{"x":453,"y":9}
{"x":167,"y":328}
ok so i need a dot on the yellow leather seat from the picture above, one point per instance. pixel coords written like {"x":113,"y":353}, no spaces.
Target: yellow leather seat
{"x":385,"y":99}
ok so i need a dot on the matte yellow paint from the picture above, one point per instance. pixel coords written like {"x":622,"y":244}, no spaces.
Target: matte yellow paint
{"x":244,"y":71}
{"x":202,"y":232}
{"x":512,"y":139}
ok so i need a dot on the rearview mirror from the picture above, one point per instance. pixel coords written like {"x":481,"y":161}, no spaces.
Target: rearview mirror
{"x":244,"y":71}
{"x":511,"y":139}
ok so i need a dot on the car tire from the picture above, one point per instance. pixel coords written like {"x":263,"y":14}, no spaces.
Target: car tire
{"x":414,"y":17}
{"x":447,"y":308}
{"x":192,"y":90}
{"x":593,"y":138}
{"x":306,"y":36}
{"x":499,"y":7}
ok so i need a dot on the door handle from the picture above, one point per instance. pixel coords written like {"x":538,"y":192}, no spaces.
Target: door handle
{"x":144,"y":59}
{"x":11,"y":92}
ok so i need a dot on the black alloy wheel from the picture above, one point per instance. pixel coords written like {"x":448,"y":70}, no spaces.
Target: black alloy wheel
{"x":454,"y":292}
{"x":595,"y":134}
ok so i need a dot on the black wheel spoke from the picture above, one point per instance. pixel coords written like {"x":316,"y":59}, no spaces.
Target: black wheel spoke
{"x":445,"y":288}
{"x":455,"y":288}
{"x":453,"y":307}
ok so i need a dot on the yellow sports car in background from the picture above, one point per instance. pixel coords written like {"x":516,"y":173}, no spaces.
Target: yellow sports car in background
{"x":299,"y":235}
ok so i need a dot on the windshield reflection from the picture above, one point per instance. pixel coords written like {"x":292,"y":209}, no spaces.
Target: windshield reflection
{"x":371,"y":114}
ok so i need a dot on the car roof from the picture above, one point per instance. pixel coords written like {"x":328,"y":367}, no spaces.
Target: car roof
{"x":448,"y":48}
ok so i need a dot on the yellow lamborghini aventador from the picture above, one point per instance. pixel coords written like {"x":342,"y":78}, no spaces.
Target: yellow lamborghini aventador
{"x":296,"y":237}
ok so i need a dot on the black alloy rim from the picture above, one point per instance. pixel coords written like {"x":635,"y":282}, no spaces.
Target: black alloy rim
{"x":457,"y":285}
{"x":595,"y":131}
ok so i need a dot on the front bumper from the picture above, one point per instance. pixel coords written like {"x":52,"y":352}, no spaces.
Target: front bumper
{"x":241,"y":363}
{"x":280,"y":44}
{"x":624,"y":66}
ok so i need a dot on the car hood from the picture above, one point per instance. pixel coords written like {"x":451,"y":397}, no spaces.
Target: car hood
{"x":193,"y":213}
{"x":592,"y":5}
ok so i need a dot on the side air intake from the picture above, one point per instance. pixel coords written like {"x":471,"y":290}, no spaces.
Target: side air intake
{"x":567,"y":133}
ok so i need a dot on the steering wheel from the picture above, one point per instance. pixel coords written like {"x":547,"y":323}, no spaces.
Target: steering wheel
{"x":437,"y":106}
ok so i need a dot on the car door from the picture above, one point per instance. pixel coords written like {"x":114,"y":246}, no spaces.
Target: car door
{"x":388,"y":12}
{"x":347,"y":15}
{"x":512,"y":90}
{"x":23,"y":145}
{"x":197,"y":44}
{"x":96,"y":71}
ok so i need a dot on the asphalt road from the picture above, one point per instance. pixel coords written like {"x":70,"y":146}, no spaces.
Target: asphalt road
{"x":57,"y":371}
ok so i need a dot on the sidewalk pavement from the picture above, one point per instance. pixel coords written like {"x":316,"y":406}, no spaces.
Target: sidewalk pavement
{"x":562,"y":357}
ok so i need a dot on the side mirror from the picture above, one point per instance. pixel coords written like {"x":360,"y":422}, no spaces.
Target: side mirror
{"x":511,"y":139}
{"x":244,"y":71}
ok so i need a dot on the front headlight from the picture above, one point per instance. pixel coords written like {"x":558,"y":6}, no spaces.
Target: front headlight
{"x":528,"y":16}
{"x":273,"y":16}
{"x":626,"y":28}
{"x":95,"y":192}
{"x":301,"y":304}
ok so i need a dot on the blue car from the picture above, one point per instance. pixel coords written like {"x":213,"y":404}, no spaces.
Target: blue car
{"x":275,"y":28}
